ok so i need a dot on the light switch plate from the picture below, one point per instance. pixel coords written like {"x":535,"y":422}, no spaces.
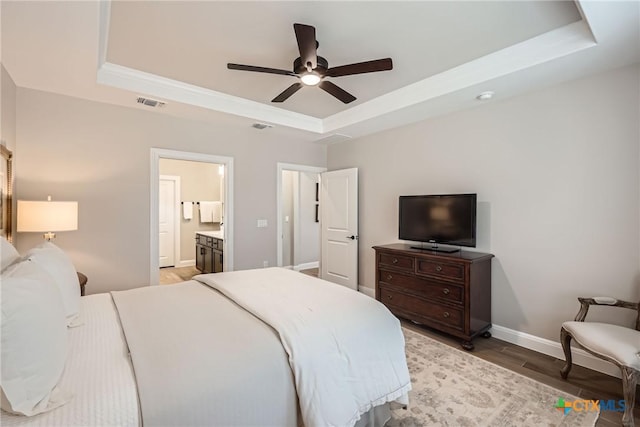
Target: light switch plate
{"x":262,"y":223}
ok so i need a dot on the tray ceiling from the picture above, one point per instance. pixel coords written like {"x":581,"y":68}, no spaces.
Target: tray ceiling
{"x":444,"y":54}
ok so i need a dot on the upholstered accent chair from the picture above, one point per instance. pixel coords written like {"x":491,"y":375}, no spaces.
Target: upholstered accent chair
{"x":617,"y":344}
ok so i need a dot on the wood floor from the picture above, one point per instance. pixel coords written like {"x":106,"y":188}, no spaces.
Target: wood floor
{"x":170,"y":275}
{"x":311,"y":272}
{"x":582,"y":382}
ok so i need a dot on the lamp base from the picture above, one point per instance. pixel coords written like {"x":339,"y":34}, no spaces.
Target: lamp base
{"x":49,"y":236}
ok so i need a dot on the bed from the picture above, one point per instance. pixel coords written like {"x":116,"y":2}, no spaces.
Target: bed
{"x":258,"y":347}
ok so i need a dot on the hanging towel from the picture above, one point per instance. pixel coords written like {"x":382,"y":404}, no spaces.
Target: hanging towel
{"x":210,"y":211}
{"x":217,"y":211}
{"x":187,"y":210}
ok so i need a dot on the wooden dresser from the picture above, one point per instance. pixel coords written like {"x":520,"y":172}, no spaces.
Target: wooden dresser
{"x":447,"y":292}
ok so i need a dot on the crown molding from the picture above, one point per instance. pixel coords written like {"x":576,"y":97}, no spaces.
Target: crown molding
{"x":545,"y":47}
{"x":552,"y":45}
{"x":162,"y":87}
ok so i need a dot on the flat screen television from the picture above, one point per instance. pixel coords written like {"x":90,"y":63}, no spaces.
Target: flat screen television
{"x":440,"y":218}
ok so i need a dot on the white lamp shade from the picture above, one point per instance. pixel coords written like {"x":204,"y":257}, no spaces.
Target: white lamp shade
{"x":47,"y":216}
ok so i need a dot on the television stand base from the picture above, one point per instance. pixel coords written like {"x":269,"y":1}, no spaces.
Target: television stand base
{"x":446,"y":250}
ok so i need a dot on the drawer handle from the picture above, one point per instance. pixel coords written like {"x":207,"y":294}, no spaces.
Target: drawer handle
{"x":438,"y":268}
{"x":446,"y":314}
{"x":389,"y":277}
{"x":446,"y":291}
{"x":395,"y":261}
{"x":390,"y":296}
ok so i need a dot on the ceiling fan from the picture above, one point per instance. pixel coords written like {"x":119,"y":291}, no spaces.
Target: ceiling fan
{"x":312,"y":69}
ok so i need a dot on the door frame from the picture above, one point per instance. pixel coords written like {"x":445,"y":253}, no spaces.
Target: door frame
{"x":161,"y":153}
{"x":176,"y":218}
{"x":291,"y":167}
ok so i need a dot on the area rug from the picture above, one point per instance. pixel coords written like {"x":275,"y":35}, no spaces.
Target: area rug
{"x":455,"y":388}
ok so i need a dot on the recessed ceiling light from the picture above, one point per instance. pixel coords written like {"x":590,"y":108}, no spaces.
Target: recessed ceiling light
{"x":485,"y":96}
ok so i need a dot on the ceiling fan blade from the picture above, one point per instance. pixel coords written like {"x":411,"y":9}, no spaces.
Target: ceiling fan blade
{"x":260,"y":69}
{"x":334,"y":90}
{"x":287,"y":92}
{"x":306,"y":37}
{"x":361,"y":67}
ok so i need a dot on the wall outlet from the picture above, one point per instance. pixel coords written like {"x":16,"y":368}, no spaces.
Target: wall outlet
{"x":265,"y":264}
{"x":261,"y":223}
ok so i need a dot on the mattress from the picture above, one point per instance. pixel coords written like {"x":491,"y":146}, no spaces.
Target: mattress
{"x":98,"y":372}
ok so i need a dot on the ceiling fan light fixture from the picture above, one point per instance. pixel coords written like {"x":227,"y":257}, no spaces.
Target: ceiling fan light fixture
{"x":311,"y":68}
{"x":310,"y":79}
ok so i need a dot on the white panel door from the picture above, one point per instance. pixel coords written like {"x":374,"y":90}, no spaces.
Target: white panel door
{"x":167,"y":220}
{"x":339,"y":225}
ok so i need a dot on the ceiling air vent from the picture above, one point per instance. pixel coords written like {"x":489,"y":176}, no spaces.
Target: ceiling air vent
{"x":150,"y":102}
{"x":261,"y":126}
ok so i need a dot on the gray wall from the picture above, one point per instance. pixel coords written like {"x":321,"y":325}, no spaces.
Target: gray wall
{"x":7,"y":110}
{"x":298,"y":202}
{"x":98,"y":154}
{"x":198,"y":181}
{"x":557,"y":177}
{"x":309,"y":247}
{"x":288,"y":178}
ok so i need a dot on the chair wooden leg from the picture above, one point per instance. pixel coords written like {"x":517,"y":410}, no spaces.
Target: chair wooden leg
{"x":630,"y":379}
{"x":565,"y":340}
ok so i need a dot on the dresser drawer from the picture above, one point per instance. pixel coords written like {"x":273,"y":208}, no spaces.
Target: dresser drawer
{"x":397,"y":261}
{"x":211,"y":242}
{"x":422,"y":286}
{"x":441,"y":269}
{"x":451,"y":317}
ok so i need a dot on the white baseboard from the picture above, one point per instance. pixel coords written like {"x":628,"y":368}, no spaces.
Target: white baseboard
{"x":186,"y":263}
{"x":367,"y":291}
{"x":554,"y":349}
{"x":288,"y":267}
{"x":307,"y":265}
{"x":541,"y":345}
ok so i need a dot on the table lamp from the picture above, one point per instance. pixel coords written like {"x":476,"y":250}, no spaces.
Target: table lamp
{"x":47,"y":217}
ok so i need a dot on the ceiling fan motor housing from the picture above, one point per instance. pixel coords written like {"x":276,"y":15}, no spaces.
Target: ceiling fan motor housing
{"x":321,"y":68}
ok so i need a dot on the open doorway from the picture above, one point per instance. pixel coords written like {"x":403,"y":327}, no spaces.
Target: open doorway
{"x":190,"y":201}
{"x":176,"y":214}
{"x":298,"y":226}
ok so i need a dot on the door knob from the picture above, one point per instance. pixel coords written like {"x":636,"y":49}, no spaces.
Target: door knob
{"x":352,"y":237}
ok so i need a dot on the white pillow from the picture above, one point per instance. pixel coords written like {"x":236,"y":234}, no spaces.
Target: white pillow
{"x":55,"y":262}
{"x":8,"y":253}
{"x":33,"y":341}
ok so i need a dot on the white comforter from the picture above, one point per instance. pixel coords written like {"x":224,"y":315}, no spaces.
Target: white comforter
{"x":346,"y":349}
{"x":200,"y":360}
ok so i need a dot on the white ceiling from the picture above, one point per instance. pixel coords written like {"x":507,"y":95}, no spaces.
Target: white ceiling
{"x":444,"y":53}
